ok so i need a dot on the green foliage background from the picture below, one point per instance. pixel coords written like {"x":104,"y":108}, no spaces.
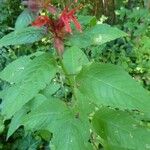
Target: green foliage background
{"x":132,"y":52}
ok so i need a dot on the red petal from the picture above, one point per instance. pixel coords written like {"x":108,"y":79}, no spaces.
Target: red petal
{"x":66,"y":22}
{"x":71,"y":12}
{"x":41,"y":21}
{"x":68,"y":16}
{"x":76,"y":23}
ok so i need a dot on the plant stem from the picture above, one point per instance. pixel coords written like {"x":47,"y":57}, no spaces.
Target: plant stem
{"x":71,"y":83}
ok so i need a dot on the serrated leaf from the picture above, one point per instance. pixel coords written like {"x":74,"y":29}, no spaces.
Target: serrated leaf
{"x":57,"y":118}
{"x":24,"y":19}
{"x":73,"y":60}
{"x":23,"y":36}
{"x":96,"y":35}
{"x":110,"y":85}
{"x":16,"y":120}
{"x":74,"y":135}
{"x":37,"y":74}
{"x":12,"y":72}
{"x":18,"y":116}
{"x":121,"y":131}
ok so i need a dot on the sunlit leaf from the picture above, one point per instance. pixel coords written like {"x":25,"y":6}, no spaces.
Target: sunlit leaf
{"x":121,"y":131}
{"x":24,"y":19}
{"x":96,"y":35}
{"x":22,"y":36}
{"x":73,"y":60}
{"x":110,"y":85}
{"x":57,"y":118}
{"x":36,"y":75}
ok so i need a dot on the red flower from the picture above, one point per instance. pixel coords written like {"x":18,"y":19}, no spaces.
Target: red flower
{"x":41,"y":21}
{"x":59,"y":27}
{"x":68,"y":16}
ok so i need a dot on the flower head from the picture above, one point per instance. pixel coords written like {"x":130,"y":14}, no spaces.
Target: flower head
{"x":60,"y":26}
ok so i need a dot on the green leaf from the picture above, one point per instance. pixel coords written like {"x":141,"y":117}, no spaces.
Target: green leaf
{"x":86,"y":107}
{"x":96,"y":35}
{"x":27,"y":142}
{"x":109,"y":85}
{"x":24,"y":19}
{"x":87,"y":20}
{"x":57,"y":118}
{"x":12,"y":72}
{"x":121,"y":131}
{"x":36,"y":75}
{"x":1,"y":124}
{"x":19,"y":115}
{"x":23,"y":36}
{"x":51,"y":89}
{"x":36,"y":102}
{"x":16,"y":121}
{"x":73,"y":60}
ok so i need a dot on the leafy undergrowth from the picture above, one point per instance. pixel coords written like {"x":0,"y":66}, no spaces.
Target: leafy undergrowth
{"x":78,"y":97}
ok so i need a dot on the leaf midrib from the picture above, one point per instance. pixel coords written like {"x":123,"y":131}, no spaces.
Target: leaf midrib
{"x":121,"y":91}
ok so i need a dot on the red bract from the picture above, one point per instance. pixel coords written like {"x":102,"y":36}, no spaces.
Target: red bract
{"x":59,"y":27}
{"x":68,"y":16}
{"x":41,"y":21}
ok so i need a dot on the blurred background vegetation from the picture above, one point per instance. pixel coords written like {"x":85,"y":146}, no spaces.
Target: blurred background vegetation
{"x":132,"y":52}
